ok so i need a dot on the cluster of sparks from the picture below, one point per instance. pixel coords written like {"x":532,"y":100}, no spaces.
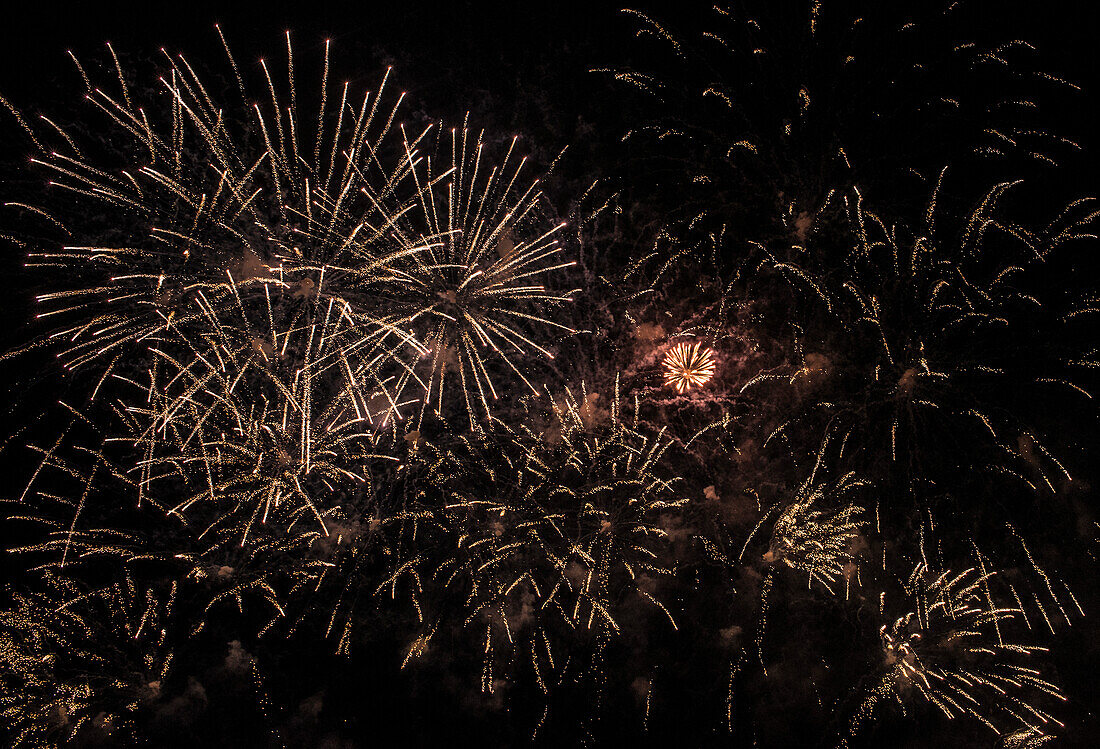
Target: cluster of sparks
{"x":304,"y":353}
{"x":818,"y":542}
{"x":78,"y":656}
{"x":551,"y":532}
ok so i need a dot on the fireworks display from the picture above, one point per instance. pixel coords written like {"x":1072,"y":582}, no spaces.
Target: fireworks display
{"x":752,"y":405}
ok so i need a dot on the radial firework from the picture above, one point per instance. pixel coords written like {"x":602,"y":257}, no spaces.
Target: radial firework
{"x":477,"y":254}
{"x":277,"y":420}
{"x":687,"y":366}
{"x":949,"y":650}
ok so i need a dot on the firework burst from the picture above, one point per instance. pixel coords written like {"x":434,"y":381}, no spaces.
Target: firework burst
{"x":818,"y":541}
{"x":322,"y":403}
{"x":476,"y":256}
{"x":687,"y":366}
{"x":949,"y":650}
{"x":554,"y":531}
{"x":213,"y":552}
{"x":274,"y":420}
{"x":209,"y":210}
{"x":939,"y":320}
{"x":78,"y":665}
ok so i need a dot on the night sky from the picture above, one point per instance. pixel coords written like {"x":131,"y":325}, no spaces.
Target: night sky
{"x":431,"y":481}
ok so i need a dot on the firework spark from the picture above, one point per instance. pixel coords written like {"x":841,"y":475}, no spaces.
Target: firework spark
{"x":830,"y":96}
{"x":929,"y":313}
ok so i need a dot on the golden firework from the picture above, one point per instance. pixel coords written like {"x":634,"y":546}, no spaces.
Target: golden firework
{"x":688,"y":365}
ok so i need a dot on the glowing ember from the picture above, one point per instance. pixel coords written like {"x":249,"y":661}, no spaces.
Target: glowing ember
{"x":688,"y":365}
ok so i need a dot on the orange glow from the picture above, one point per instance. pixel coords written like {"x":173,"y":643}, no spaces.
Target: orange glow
{"x":688,"y":365}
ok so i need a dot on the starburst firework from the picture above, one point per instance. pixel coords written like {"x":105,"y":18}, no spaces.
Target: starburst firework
{"x":688,"y":365}
{"x":818,"y":541}
{"x":476,"y":257}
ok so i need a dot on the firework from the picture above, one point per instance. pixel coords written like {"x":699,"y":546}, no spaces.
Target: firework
{"x":818,"y":533}
{"x":552,"y":532}
{"x":79,"y":664}
{"x":209,"y":211}
{"x":1026,"y":738}
{"x":249,"y":453}
{"x":445,"y":261}
{"x":322,"y":403}
{"x":818,"y":542}
{"x":201,"y":553}
{"x":948,"y":650}
{"x":477,"y":254}
{"x":767,"y":110}
{"x":687,"y":366}
{"x":276,"y":313}
{"x":937,"y":318}
{"x":278,"y":420}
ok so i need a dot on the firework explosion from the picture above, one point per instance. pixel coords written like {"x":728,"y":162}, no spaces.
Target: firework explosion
{"x":553,"y":534}
{"x":687,"y":366}
{"x":476,"y":285}
{"x":352,"y":394}
{"x":817,"y":542}
{"x":80,"y":663}
{"x":936,"y":651}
